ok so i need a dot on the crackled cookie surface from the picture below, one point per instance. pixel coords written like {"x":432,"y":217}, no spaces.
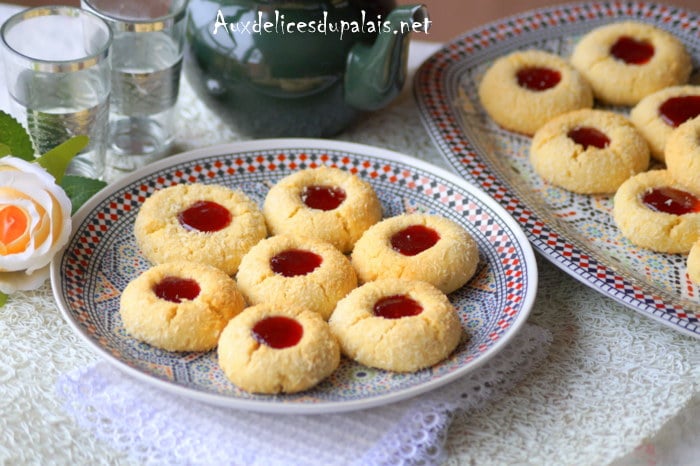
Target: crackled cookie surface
{"x":417,"y":247}
{"x":683,"y":153}
{"x":211,"y":224}
{"x":525,"y":89}
{"x":656,"y":212}
{"x":180,"y":306}
{"x":626,"y":61}
{"x":284,"y":270}
{"x":268,"y":349}
{"x":396,"y":325}
{"x":325,"y":203}
{"x":588,"y":151}
{"x":659,"y":114}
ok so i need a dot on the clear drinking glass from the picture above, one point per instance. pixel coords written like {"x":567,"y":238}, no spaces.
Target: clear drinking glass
{"x":147,"y":51}
{"x":58,"y":77}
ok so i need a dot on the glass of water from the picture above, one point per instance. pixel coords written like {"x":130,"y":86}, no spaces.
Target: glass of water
{"x":58,"y":76}
{"x":147,"y":51}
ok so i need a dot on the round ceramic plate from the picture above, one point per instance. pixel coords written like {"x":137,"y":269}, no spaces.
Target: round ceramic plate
{"x":575,"y":232}
{"x":102,"y":257}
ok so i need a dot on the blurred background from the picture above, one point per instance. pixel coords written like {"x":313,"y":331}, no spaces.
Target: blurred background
{"x":449,"y":17}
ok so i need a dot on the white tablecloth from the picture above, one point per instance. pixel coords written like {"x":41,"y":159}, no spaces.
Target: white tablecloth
{"x":615,"y":388}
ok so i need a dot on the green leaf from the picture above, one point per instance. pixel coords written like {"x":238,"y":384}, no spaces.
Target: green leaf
{"x":4,"y":150}
{"x":3,"y":299}
{"x":14,"y":136}
{"x":57,"y":159}
{"x":79,"y":189}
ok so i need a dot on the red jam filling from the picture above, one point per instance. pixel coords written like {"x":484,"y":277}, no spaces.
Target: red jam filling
{"x":414,"y":240}
{"x":587,"y":136}
{"x":323,"y":197}
{"x":397,"y":306}
{"x":278,"y":332}
{"x":176,"y":289}
{"x":293,"y":262}
{"x":671,"y":201}
{"x":632,"y":51}
{"x":538,"y":78}
{"x":677,"y":110}
{"x":206,"y":216}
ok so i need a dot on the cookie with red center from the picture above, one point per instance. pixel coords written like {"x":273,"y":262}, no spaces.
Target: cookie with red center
{"x":324,"y":203}
{"x":284,"y":270}
{"x":417,"y":247}
{"x":211,"y":224}
{"x":180,"y":306}
{"x":659,"y":114}
{"x":396,"y":325}
{"x":588,"y":151}
{"x":277,"y":349}
{"x":656,"y":212}
{"x":525,"y":89}
{"x":626,"y":61}
{"x":683,"y":153}
{"x":693,"y":263}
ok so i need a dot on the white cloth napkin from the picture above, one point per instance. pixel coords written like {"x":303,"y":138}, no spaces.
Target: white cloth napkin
{"x":156,"y":427}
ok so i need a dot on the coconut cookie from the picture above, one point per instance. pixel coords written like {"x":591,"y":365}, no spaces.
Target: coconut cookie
{"x":658,"y":114}
{"x":285,"y":270}
{"x":524,"y":90}
{"x":396,"y":325}
{"x":683,"y":153}
{"x":656,"y":212}
{"x":201,"y":223}
{"x":180,"y":306}
{"x":626,"y":61}
{"x":268,"y":349}
{"x":693,"y":263}
{"x":325,"y":203}
{"x":588,"y":151}
{"x":417,"y":247}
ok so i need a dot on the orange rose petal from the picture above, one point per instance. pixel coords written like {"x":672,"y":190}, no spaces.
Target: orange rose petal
{"x":14,"y":235}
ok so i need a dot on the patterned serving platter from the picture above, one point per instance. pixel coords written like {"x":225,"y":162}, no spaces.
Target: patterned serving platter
{"x":575,"y":232}
{"x":102,"y":257}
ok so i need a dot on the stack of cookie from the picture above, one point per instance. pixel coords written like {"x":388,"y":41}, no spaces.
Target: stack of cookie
{"x":289,"y":260}
{"x":626,"y":66}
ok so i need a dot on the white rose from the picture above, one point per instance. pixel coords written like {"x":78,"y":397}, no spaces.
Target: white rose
{"x":35,"y":223}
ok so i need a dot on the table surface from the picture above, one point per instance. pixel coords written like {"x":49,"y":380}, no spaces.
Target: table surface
{"x":615,"y":388}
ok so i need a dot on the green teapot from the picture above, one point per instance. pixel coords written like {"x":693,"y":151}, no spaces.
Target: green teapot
{"x":298,"y":68}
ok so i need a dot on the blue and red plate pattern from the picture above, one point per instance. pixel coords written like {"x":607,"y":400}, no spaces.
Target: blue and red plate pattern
{"x":575,"y":232}
{"x":102,"y":257}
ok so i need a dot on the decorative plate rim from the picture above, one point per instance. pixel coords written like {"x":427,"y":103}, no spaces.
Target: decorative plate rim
{"x":457,"y":150}
{"x":324,"y":406}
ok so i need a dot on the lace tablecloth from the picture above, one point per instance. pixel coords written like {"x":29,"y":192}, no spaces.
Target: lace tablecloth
{"x":614,"y":387}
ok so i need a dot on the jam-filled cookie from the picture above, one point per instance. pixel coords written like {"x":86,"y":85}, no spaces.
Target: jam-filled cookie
{"x":626,"y":61}
{"x":325,"y":203}
{"x":284,"y":270}
{"x":658,"y":114}
{"x":417,"y":247}
{"x":656,"y":212}
{"x":683,"y":153}
{"x":396,"y":325}
{"x":588,"y":151}
{"x":268,"y":349}
{"x":180,"y":306}
{"x":693,"y":263}
{"x":523,"y":90}
{"x":201,"y":223}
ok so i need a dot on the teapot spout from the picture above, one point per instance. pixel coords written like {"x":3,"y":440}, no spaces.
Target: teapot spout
{"x":375,"y":73}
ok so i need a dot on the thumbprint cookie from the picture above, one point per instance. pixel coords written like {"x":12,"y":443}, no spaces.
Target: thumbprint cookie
{"x":284,"y":270}
{"x":658,"y":114}
{"x":396,"y":325}
{"x":656,"y":212}
{"x":523,"y":90}
{"x":626,"y":61}
{"x":693,"y":263}
{"x":683,"y":153}
{"x":588,"y":151}
{"x":180,"y":306}
{"x":200,"y":223}
{"x":417,"y":247}
{"x":268,"y":349}
{"x":325,"y":203}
